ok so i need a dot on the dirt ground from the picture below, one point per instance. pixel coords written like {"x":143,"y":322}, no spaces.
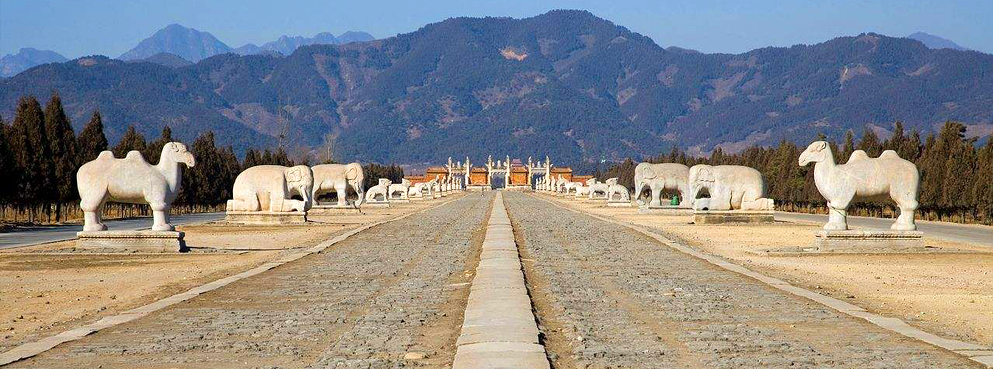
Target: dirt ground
{"x":948,"y":290}
{"x":49,"y":288}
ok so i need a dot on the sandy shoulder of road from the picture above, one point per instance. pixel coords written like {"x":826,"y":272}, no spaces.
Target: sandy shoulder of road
{"x":948,"y":291}
{"x":52,"y":287}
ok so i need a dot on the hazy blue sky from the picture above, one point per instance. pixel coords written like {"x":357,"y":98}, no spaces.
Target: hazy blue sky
{"x":111,"y":27}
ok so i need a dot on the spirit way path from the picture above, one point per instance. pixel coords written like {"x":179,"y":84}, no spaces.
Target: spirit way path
{"x":604,"y":296}
{"x":610,"y":297}
{"x":364,"y":302}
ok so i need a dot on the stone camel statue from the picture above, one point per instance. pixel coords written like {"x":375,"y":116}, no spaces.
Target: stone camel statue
{"x":863,"y":177}
{"x":132,"y":180}
{"x":731,"y":187}
{"x":665,"y":176}
{"x":271,"y":188}
{"x":336,"y":178}
{"x":380,"y":190}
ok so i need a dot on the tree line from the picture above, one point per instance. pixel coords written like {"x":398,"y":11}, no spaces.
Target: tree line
{"x":956,"y":174}
{"x":40,"y":154}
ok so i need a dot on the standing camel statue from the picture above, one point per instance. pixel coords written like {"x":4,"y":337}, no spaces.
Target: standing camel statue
{"x":863,"y":177}
{"x":133,"y":181}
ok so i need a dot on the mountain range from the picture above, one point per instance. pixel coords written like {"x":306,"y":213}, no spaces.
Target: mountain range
{"x":25,"y":58}
{"x":566,"y":84}
{"x":935,"y":42}
{"x":176,"y":45}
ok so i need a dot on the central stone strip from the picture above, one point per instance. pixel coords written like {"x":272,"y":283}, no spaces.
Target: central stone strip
{"x":499,"y":330}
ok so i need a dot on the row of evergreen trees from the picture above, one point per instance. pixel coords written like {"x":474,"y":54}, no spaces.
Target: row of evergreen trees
{"x":956,"y":175}
{"x":40,"y":153}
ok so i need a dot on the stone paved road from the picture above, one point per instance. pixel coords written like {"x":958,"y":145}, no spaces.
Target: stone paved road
{"x":970,"y":233}
{"x":609,"y":297}
{"x":44,"y":234}
{"x":363,"y":303}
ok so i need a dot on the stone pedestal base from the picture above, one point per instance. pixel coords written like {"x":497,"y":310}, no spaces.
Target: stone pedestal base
{"x":266,"y":217}
{"x":333,"y":210}
{"x":132,"y":241}
{"x":400,"y":201}
{"x":733,"y":216}
{"x":665,"y":210}
{"x":868,"y":239}
{"x":619,"y":204}
{"x":376,"y":204}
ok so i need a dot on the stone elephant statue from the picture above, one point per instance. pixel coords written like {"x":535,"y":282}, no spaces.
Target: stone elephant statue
{"x":665,"y":176}
{"x":380,"y":190}
{"x":336,"y":178}
{"x":271,"y":188}
{"x":132,"y":180}
{"x":731,"y":187}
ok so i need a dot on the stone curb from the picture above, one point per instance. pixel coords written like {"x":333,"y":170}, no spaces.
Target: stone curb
{"x":972,"y":351}
{"x":30,"y":349}
{"x":499,"y":329}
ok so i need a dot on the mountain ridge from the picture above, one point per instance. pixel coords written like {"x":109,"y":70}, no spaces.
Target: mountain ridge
{"x":564,"y":83}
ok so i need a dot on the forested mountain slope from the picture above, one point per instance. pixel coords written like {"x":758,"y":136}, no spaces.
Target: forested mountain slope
{"x":565,"y":84}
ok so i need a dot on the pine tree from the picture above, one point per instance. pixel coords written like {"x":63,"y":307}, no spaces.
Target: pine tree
{"x":154,"y":149}
{"x":870,"y":143}
{"x":252,"y":158}
{"x":846,"y":151}
{"x":203,"y":187}
{"x":6,"y":165}
{"x":30,"y":152}
{"x":982,"y":190}
{"x":956,"y":186}
{"x":62,"y":151}
{"x":131,"y":141}
{"x":91,"y":141}
{"x":280,"y":158}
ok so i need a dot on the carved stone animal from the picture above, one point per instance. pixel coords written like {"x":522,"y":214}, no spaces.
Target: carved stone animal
{"x":731,"y":187}
{"x":271,"y":188}
{"x":336,"y":178}
{"x":613,"y":188}
{"x":133,"y":181}
{"x":400,"y":190}
{"x":665,"y":176}
{"x":379,"y":192}
{"x":597,"y":188}
{"x":863,"y":177}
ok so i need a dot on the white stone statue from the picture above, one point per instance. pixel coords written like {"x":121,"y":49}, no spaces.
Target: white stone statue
{"x":336,"y":178}
{"x":666,"y":176}
{"x":581,"y":191}
{"x":613,"y":188}
{"x":379,"y":192}
{"x":863,"y":177}
{"x":596,"y":188}
{"x":571,"y":186}
{"x":731,"y":187}
{"x":271,"y":188}
{"x":400,"y":190}
{"x":417,"y":190}
{"x":133,"y":181}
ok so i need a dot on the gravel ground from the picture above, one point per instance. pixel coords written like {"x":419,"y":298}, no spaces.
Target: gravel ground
{"x":366,"y":302}
{"x":609,"y":297}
